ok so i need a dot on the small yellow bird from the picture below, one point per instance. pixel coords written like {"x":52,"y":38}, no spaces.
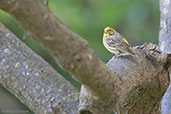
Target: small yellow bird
{"x":115,"y":42}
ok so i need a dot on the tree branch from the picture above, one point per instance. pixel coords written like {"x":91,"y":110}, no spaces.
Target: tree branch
{"x":145,"y":80}
{"x":165,"y":46}
{"x":136,"y":84}
{"x":70,"y":50}
{"x":32,"y":80}
{"x":165,"y":31}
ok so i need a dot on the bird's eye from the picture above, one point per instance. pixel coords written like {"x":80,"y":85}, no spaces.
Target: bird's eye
{"x":111,"y":32}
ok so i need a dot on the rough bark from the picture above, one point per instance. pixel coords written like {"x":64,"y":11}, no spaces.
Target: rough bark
{"x":136,"y":83}
{"x":70,"y":50}
{"x":146,"y":76}
{"x":32,"y":80}
{"x":165,"y":46}
{"x":150,"y":78}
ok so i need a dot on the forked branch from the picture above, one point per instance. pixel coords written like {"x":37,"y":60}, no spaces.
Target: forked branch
{"x":136,"y":81}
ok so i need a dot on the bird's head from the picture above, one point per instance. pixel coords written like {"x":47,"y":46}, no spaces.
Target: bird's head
{"x":108,"y":31}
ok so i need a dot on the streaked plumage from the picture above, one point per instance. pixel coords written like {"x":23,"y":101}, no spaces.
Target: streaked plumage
{"x":115,"y":42}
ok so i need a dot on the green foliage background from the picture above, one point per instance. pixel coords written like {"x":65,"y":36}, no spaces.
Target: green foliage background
{"x":137,"y":20}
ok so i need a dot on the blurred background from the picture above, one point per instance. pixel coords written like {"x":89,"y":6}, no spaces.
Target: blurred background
{"x":136,"y":20}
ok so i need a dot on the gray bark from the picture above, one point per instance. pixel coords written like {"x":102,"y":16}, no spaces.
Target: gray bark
{"x":132,"y":84}
{"x":70,"y":50}
{"x":146,"y":78}
{"x":165,"y":46}
{"x":32,"y":80}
